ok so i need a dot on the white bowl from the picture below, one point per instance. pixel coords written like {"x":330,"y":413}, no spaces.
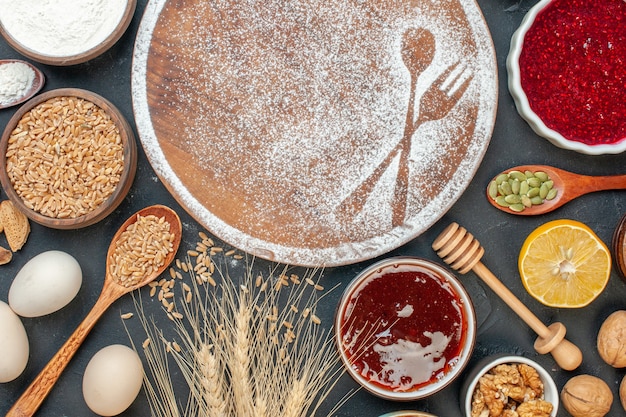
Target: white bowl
{"x":407,"y":413}
{"x":423,"y":334}
{"x":551,"y":393}
{"x":521,"y":100}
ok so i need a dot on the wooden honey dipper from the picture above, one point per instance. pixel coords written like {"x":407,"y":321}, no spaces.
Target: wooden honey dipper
{"x":459,"y":249}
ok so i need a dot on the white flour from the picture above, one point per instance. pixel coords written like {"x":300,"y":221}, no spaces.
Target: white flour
{"x":15,"y":80}
{"x":61,"y":27}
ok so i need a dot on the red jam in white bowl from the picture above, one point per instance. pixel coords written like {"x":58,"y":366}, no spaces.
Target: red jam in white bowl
{"x":573,"y":69}
{"x":405,"y":327}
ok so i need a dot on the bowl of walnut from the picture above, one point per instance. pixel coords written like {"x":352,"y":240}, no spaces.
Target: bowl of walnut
{"x":67,"y":158}
{"x":506,"y":385}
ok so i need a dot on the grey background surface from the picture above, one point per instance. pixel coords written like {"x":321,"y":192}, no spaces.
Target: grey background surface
{"x":500,"y":331}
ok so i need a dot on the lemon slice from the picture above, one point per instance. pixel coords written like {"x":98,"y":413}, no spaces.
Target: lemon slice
{"x":563,"y":263}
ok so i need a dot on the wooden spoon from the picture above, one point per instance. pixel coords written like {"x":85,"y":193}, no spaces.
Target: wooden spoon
{"x":568,"y":184}
{"x":37,"y":84}
{"x":35,"y":394}
{"x":459,"y":249}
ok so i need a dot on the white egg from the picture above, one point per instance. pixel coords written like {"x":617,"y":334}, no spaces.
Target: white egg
{"x":112,"y":380}
{"x":45,"y":284}
{"x":13,"y":344}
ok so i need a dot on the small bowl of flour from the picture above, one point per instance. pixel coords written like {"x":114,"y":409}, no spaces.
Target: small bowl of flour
{"x":64,"y":32}
{"x":19,"y":81}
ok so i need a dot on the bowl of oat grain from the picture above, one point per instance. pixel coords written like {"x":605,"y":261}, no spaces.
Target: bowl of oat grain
{"x":509,"y":382}
{"x":68,"y":158}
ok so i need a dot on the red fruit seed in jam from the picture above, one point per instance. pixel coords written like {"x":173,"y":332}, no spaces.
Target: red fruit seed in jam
{"x":573,"y":69}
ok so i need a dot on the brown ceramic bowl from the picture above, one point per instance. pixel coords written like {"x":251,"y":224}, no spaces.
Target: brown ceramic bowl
{"x":618,"y":246}
{"x":42,"y":172}
{"x":48,"y":57}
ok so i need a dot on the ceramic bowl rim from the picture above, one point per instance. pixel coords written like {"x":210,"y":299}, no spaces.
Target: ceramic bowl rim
{"x":485,"y":364}
{"x":467,"y":350}
{"x":521,"y":100}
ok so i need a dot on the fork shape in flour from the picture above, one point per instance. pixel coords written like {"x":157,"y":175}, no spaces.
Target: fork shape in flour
{"x":436,"y":102}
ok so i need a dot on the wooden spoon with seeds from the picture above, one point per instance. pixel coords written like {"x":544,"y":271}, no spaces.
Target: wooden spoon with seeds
{"x":112,"y":290}
{"x":569,"y":186}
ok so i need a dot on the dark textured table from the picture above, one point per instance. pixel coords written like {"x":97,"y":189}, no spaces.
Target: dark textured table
{"x":513,"y":143}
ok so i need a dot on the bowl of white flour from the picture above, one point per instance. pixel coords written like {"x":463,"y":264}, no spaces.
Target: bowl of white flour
{"x":64,"y":32}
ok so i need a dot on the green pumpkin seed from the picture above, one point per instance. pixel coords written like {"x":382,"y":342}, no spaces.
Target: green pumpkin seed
{"x":534,"y":182}
{"x":515,"y":186}
{"x":519,"y":190}
{"x":501,"y":178}
{"x":493,"y":189}
{"x":513,"y":199}
{"x":520,"y":176}
{"x":533,"y":192}
{"x":501,"y":201}
{"x":551,"y":194}
{"x":524,"y":187}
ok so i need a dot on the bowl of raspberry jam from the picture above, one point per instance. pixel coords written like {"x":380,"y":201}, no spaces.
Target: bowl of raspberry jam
{"x":405,"y":328}
{"x":567,"y":73}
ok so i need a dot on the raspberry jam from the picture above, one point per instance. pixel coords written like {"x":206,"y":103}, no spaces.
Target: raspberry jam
{"x":403,"y":328}
{"x":573,"y":69}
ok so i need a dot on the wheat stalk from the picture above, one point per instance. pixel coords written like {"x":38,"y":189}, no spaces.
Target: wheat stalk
{"x":251,"y":346}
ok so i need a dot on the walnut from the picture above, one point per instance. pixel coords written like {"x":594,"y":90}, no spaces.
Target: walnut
{"x":510,"y":390}
{"x":586,"y":396}
{"x":535,"y":408}
{"x":612,"y":339}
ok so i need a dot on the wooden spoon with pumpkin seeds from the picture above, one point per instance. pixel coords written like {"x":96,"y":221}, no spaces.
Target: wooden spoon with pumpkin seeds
{"x":529,"y":190}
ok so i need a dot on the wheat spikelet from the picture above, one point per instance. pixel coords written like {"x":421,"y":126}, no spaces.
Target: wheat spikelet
{"x":248,"y":346}
{"x":295,"y":401}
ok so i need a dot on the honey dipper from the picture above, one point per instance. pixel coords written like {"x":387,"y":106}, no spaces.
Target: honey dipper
{"x":459,"y":249}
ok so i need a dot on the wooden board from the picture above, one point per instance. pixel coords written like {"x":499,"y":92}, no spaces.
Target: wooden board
{"x":266,"y":119}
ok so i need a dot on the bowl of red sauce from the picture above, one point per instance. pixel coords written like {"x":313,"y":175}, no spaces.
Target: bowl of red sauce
{"x":567,"y":73}
{"x":405,"y":328}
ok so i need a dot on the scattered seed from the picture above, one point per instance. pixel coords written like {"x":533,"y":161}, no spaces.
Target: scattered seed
{"x":126,"y":316}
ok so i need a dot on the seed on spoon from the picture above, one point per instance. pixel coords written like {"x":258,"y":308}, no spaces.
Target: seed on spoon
{"x":520,"y":190}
